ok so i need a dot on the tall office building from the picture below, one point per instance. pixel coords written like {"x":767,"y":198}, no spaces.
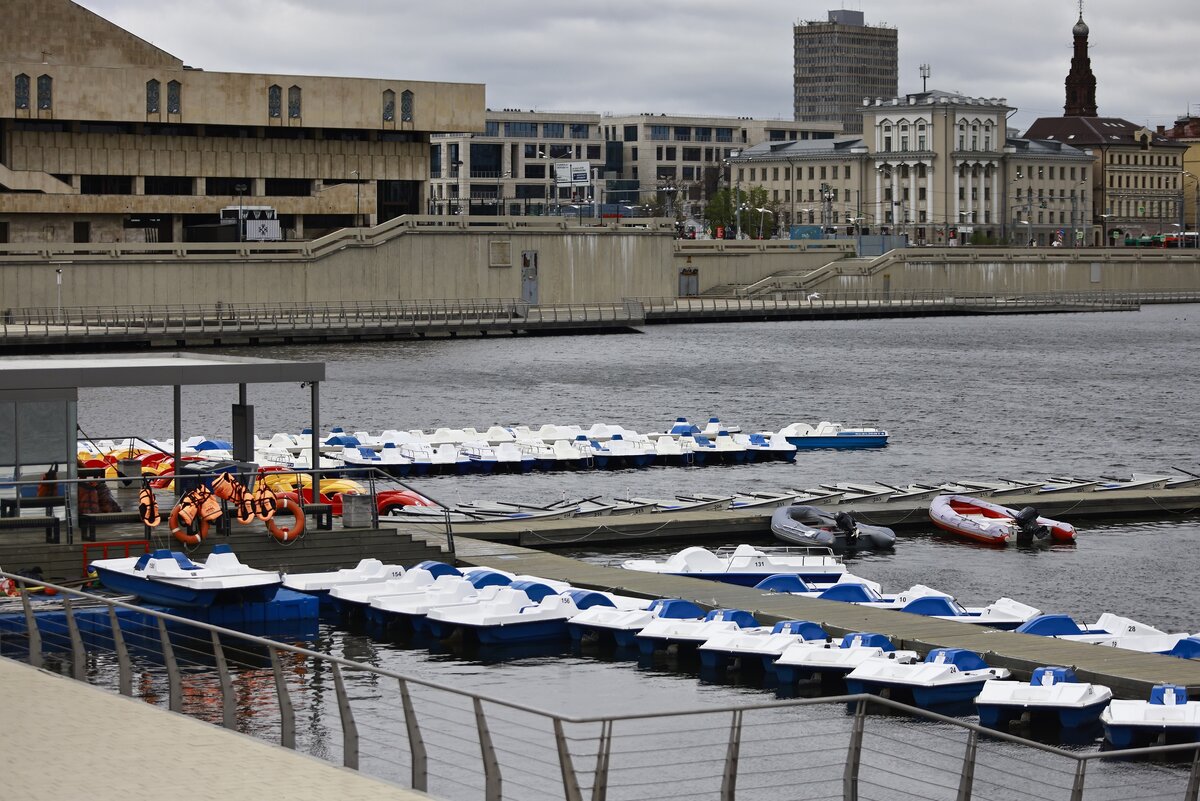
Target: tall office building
{"x":840,"y":62}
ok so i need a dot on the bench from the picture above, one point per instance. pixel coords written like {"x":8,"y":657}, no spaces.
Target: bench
{"x":11,"y":507}
{"x":89,"y":520}
{"x":51,"y":524}
{"x":322,"y":515}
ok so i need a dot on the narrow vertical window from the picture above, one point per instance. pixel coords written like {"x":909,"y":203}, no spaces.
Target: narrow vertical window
{"x":406,"y":106}
{"x":294,"y":102}
{"x":21,"y":91}
{"x":274,"y":101}
{"x":174,"y":97}
{"x":389,"y":106}
{"x":152,"y":87}
{"x":45,"y":89}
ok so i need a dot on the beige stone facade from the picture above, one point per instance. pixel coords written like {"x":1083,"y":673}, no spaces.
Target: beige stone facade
{"x":104,"y":137}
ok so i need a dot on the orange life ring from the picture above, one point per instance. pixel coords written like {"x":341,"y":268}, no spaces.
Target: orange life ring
{"x":180,"y":530}
{"x":282,"y":533}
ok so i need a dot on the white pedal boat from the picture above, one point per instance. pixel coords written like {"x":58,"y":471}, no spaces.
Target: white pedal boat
{"x":622,"y":625}
{"x":757,"y":647}
{"x":1168,"y":718}
{"x":172,"y":579}
{"x":746,"y":565}
{"x":1052,"y":693}
{"x":663,"y":633}
{"x":947,"y":676}
{"x":836,"y":657}
{"x":366,"y":571}
{"x":415,"y":579}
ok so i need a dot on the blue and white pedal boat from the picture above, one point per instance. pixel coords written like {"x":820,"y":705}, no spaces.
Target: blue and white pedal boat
{"x":348,"y":597}
{"x":447,"y":591}
{"x":1053,"y":693}
{"x":171,"y":578}
{"x":837,"y":657}
{"x":365,"y":572}
{"x":525,"y":611}
{"x":1112,"y":630}
{"x":1167,"y":718}
{"x":622,"y":625}
{"x":662,"y":633}
{"x":947,"y":676}
{"x":746,"y":565}
{"x":757,"y":647}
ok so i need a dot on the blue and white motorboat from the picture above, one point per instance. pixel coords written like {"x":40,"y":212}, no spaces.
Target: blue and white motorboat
{"x":447,"y":591}
{"x":746,"y":565}
{"x":662,"y":633}
{"x":836,"y":657}
{"x":622,"y":625}
{"x":349,"y":597}
{"x":1167,"y":718}
{"x":171,"y":578}
{"x":757,"y":648}
{"x":514,"y":616}
{"x":834,"y":435}
{"x":367,"y":571}
{"x":1053,"y":694}
{"x":947,"y":676}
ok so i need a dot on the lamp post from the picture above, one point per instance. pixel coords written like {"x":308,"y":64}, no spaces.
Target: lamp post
{"x":241,"y":191}
{"x":58,"y":287}
{"x":500,"y":176}
{"x":737,"y":202}
{"x":762,"y":213}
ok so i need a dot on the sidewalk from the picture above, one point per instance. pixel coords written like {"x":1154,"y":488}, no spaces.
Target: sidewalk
{"x":65,"y":739}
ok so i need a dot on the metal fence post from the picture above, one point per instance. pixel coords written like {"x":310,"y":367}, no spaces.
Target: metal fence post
{"x":491,"y":766}
{"x":729,"y":779}
{"x":287,"y":716}
{"x":32,"y":632}
{"x":603,"y":756}
{"x":349,"y":728}
{"x":78,"y":655}
{"x":1077,"y":786}
{"x":1193,"y":786}
{"x":854,"y":753}
{"x":967,"y":779}
{"x":174,"y":684}
{"x":228,"y":702}
{"x":570,"y":780}
{"x":124,"y":666}
{"x":416,"y":743}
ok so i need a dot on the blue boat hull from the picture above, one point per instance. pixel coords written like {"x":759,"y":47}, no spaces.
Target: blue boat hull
{"x":157,"y":592}
{"x":841,"y":441}
{"x":997,"y":716}
{"x":1134,"y":736}
{"x":924,"y":697}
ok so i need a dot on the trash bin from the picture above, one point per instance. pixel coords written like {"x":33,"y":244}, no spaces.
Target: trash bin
{"x":129,"y":470}
{"x":356,"y":511}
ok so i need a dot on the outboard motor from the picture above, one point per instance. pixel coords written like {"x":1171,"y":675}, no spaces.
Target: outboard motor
{"x":847,"y":526}
{"x":1028,"y":529}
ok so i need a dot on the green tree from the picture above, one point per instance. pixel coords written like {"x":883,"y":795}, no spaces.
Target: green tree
{"x":722,"y":211}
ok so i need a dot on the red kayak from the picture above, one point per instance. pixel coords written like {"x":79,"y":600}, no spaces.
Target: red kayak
{"x":991,"y":523}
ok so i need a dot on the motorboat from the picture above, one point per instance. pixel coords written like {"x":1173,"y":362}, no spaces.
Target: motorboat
{"x":171,"y":578}
{"x":1053,"y":693}
{"x":622,"y":625}
{"x":1168,"y":718}
{"x":757,"y":648}
{"x":834,"y":435}
{"x":993,"y":524}
{"x":836,"y":657}
{"x":746,"y":565}
{"x":811,"y":525}
{"x":365,"y":572}
{"x":663,"y":633}
{"x":416,"y":579}
{"x":947,"y":676}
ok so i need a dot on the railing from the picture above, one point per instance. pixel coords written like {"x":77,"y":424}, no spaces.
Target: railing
{"x":257,"y":318}
{"x":458,"y":744}
{"x":783,"y":301}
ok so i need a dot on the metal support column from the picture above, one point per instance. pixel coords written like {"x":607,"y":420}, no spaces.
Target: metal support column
{"x":315,"y":404}
{"x":177,"y":418}
{"x":287,"y":716}
{"x":854,"y":754}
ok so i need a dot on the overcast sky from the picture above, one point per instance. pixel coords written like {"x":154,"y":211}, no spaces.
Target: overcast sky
{"x":695,"y":57}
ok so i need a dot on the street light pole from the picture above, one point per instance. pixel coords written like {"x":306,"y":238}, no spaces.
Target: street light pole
{"x":737,"y":207}
{"x":58,"y":283}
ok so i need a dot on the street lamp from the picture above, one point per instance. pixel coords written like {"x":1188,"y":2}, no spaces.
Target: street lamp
{"x":58,"y":283}
{"x":737,"y":202}
{"x":1104,"y":228}
{"x":241,"y":190}
{"x":761,"y":213}
{"x":499,"y":195}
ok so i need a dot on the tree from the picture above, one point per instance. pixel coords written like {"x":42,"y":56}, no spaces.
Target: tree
{"x":722,"y":212}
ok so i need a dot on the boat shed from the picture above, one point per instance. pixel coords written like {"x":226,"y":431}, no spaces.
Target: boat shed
{"x":39,"y":395}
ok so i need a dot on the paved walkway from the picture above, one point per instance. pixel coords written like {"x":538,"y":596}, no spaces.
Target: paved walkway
{"x":65,"y":739}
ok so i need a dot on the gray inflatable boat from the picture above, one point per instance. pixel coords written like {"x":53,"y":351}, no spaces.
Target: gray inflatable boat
{"x":809,"y":525}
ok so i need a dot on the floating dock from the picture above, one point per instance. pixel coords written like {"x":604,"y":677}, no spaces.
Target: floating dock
{"x":1130,"y":674}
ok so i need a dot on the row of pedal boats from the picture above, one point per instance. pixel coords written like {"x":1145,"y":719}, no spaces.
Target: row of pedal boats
{"x":436,"y":600}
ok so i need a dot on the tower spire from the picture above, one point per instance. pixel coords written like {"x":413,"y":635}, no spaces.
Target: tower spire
{"x":1081,"y":83}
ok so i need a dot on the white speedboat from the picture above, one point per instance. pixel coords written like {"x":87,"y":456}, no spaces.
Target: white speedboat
{"x":1053,"y":693}
{"x":171,"y":578}
{"x":757,"y":648}
{"x":746,"y":565}
{"x":365,"y":572}
{"x":663,"y":633}
{"x":1168,"y":718}
{"x":622,"y":625}
{"x":947,"y":676}
{"x":836,"y":657}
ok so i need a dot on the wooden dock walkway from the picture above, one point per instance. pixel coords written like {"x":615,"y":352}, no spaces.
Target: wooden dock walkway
{"x":1130,"y":674}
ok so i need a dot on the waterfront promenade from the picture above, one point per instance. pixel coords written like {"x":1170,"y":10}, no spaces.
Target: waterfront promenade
{"x":67,"y":739}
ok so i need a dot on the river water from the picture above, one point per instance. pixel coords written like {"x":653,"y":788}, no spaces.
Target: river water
{"x":972,"y":397}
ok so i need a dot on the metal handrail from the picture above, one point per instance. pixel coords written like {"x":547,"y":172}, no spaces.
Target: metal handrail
{"x":221,"y":640}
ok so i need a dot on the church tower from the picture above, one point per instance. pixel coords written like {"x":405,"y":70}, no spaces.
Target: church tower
{"x":1081,"y":83}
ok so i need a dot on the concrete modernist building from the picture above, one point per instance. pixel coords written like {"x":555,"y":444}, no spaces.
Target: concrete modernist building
{"x":934,"y":166}
{"x":838,"y":63}
{"x":1137,"y":183}
{"x":106,"y":138}
{"x":626,"y":161}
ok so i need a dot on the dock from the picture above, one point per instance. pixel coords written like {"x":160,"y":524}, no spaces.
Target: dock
{"x":1130,"y":674}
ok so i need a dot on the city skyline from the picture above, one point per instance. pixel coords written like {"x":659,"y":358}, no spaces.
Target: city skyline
{"x":683,"y":58}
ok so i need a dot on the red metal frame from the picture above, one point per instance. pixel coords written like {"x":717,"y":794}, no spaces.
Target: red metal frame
{"x":104,"y":546}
